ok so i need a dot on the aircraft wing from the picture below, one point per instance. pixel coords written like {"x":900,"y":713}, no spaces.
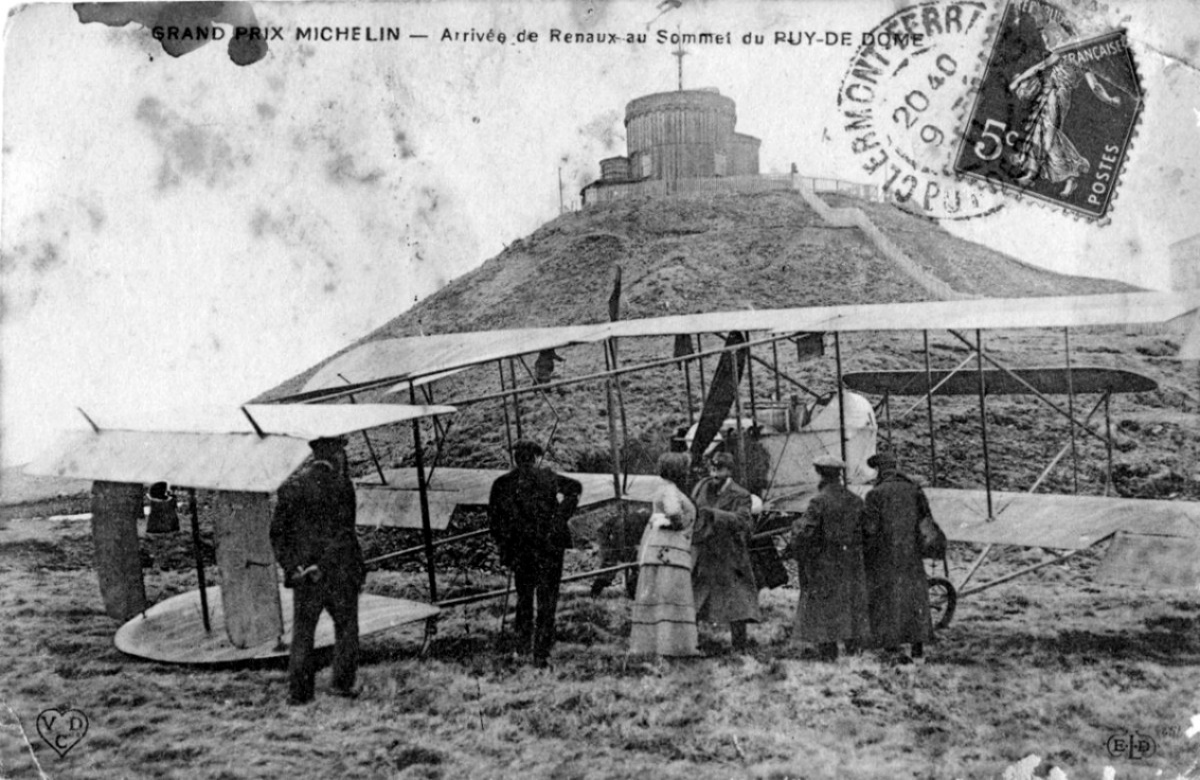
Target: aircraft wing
{"x":212,"y":448}
{"x":390,"y":361}
{"x":405,"y":358}
{"x":216,"y":461}
{"x":1062,"y":522}
{"x":1056,"y":521}
{"x":1070,"y":311}
{"x":1151,"y":560}
{"x":397,"y":504}
{"x":1080,"y":380}
{"x":299,"y":421}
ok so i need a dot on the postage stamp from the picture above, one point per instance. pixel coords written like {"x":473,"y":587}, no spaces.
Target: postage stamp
{"x":901,"y":99}
{"x":1055,"y":112}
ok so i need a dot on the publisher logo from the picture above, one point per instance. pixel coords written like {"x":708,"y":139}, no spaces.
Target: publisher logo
{"x":1132,"y":745}
{"x":62,"y":728}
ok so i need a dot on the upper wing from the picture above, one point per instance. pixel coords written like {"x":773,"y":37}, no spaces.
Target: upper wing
{"x":388,"y":361}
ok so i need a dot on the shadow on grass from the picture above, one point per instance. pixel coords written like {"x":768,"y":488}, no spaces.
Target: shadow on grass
{"x":1170,"y":641}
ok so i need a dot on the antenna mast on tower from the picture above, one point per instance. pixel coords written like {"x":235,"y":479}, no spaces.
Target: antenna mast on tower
{"x":680,"y":54}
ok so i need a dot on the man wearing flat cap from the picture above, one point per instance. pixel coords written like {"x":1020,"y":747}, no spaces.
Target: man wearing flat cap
{"x":722,"y":574}
{"x":828,"y":541}
{"x":898,"y":590}
{"x":528,"y":512}
{"x":313,"y":534}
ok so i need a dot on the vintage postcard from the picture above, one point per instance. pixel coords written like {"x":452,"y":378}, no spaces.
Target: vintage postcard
{"x":724,"y":278}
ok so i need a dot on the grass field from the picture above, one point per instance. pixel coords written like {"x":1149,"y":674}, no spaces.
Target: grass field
{"x":1052,"y":665}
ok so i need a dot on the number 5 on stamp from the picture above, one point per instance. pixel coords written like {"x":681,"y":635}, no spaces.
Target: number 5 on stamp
{"x":1053,"y":118}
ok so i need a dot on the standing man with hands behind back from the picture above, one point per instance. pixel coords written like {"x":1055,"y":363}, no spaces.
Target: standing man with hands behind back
{"x":313,"y":534}
{"x":529,"y":524}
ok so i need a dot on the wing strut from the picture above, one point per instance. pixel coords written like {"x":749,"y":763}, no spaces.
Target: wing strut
{"x":512,"y":375}
{"x":683,"y":348}
{"x":545,"y":399}
{"x":1108,"y":443}
{"x":1036,"y":484}
{"x":781,"y":375}
{"x":366,"y":438}
{"x":1019,"y":573}
{"x":199,"y":558}
{"x":1071,"y":412}
{"x":613,"y":450}
{"x":504,"y":404}
{"x":737,"y":407}
{"x":423,"y":491}
{"x":837,"y":354}
{"x":930,"y":390}
{"x":1024,"y":383}
{"x":91,"y":422}
{"x":750,"y":379}
{"x":1054,"y":462}
{"x":987,"y":470}
{"x":887,"y":420}
{"x":929,"y":402}
{"x":775,"y":369}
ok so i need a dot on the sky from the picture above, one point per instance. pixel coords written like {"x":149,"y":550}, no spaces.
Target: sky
{"x":186,"y":230}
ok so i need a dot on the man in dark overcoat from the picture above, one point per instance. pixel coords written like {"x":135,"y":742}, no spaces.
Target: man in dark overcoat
{"x":313,"y":534}
{"x":722,"y":574}
{"x":528,"y":520}
{"x":899,"y":592}
{"x":828,"y":542}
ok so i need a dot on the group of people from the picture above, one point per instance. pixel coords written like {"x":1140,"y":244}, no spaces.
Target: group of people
{"x":862,"y":580}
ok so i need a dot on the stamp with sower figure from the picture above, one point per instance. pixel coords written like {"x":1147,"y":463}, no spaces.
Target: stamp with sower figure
{"x":1055,"y":112}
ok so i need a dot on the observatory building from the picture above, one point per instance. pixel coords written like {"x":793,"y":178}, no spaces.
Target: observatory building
{"x":675,"y":136}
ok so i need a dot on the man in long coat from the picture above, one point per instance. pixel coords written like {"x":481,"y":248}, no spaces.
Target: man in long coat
{"x":529,"y":523}
{"x":722,"y":575}
{"x":313,"y":535}
{"x":899,"y":592}
{"x":828,"y":540}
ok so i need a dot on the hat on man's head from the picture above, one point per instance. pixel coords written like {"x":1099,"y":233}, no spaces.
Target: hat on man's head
{"x":327,"y":443}
{"x":527,"y":448}
{"x":829,"y":462}
{"x":722,"y":460}
{"x":882,"y":460}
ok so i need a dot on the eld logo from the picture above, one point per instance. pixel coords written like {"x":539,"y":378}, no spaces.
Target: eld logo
{"x":1131,"y":746}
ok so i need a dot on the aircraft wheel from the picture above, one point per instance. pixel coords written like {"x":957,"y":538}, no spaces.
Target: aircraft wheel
{"x":943,"y":598}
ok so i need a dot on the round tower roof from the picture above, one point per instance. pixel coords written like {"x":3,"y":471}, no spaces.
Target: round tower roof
{"x":688,"y":99}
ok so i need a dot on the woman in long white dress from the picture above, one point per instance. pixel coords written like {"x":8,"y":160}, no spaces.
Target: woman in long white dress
{"x":664,"y":611}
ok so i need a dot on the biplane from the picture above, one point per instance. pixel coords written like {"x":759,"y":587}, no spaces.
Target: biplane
{"x":773,"y":442}
{"x":788,"y":436}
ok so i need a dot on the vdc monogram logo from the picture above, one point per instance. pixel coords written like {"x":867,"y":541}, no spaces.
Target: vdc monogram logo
{"x":62,"y":728}
{"x":1133,"y":746}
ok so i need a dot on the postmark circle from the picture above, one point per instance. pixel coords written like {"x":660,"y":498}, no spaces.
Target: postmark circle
{"x":900,"y":100}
